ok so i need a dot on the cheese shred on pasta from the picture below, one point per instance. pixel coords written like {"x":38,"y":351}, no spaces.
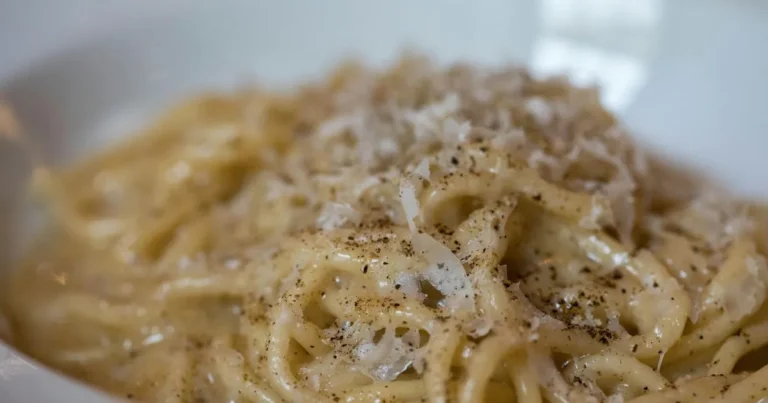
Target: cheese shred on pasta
{"x":411,"y":235}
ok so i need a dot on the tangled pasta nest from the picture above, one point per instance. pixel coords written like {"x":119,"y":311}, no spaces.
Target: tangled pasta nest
{"x":416,"y":234}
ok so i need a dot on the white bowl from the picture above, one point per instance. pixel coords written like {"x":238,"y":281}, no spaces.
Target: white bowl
{"x":690,"y":77}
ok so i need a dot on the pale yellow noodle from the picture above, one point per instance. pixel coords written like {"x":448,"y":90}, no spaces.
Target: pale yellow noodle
{"x":524,"y":378}
{"x":413,"y":235}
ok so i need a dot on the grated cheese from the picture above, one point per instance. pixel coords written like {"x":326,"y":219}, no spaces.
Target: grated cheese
{"x":337,"y":215}
{"x":423,"y":169}
{"x":409,"y":285}
{"x":425,"y":121}
{"x":540,"y":110}
{"x":444,"y":269}
{"x":390,"y":357}
{"x":409,"y":202}
{"x":445,"y":272}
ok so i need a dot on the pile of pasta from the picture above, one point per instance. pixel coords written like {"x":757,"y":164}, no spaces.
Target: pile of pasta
{"x":418,"y":234}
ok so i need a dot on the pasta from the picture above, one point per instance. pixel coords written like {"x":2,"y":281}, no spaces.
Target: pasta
{"x":416,"y":234}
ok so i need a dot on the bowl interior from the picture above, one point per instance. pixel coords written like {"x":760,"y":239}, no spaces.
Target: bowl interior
{"x":687,"y":76}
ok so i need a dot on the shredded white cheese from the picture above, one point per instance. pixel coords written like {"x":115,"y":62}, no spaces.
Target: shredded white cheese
{"x":425,"y":122}
{"x":408,"y":284}
{"x":336,"y":215}
{"x":410,"y":203}
{"x":423,"y":168}
{"x":444,"y":270}
{"x":390,"y":357}
{"x":540,"y":110}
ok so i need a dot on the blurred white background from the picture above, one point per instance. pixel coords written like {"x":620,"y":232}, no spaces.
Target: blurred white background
{"x":689,"y":76}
